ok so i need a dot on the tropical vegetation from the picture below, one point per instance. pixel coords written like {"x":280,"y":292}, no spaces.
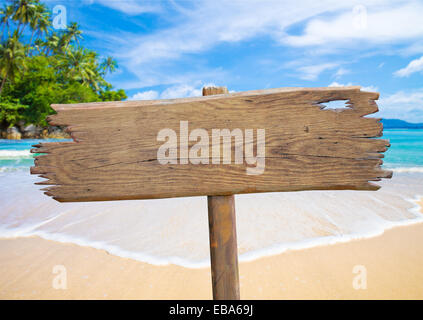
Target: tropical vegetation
{"x":40,"y":66}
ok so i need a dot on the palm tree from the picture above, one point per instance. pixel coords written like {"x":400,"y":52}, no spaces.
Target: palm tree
{"x":108,"y":65}
{"x":52,"y":43}
{"x":40,"y":15}
{"x":38,"y":45}
{"x":80,"y":65}
{"x":40,"y":22}
{"x":6,"y":14}
{"x":24,"y":13}
{"x":44,"y":23}
{"x":12,"y":59}
{"x":72,"y":33}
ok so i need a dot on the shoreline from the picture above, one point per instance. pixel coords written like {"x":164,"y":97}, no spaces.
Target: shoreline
{"x":392,"y":260}
{"x":30,"y":131}
{"x":58,"y":137}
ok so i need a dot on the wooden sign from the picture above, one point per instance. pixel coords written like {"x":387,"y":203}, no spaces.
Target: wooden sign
{"x":256,"y":141}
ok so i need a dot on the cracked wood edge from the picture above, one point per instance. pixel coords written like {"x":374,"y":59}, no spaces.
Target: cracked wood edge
{"x":308,"y":141}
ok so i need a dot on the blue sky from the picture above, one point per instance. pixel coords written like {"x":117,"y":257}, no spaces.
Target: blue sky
{"x":170,"y":48}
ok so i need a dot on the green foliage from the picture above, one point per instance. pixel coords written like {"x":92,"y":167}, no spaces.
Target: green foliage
{"x":11,"y":112}
{"x":40,"y":67}
{"x":109,"y":95}
{"x":12,"y":59}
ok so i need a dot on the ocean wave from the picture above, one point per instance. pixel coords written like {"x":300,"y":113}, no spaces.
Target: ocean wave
{"x":7,"y":169}
{"x":407,"y":169}
{"x":15,"y":154}
{"x":271,"y":250}
{"x":175,"y":231}
{"x":334,"y":239}
{"x":275,"y":249}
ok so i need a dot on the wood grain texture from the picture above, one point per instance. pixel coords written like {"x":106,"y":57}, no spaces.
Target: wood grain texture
{"x":308,"y":147}
{"x":223,"y":247}
{"x":223,"y":239}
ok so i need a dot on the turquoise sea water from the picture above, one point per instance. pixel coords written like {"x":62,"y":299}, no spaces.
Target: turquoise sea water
{"x":405,"y":153}
{"x":176,"y":230}
{"x":16,"y":155}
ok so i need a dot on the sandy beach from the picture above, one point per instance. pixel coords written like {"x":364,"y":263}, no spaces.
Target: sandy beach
{"x":124,"y":126}
{"x":392,"y":262}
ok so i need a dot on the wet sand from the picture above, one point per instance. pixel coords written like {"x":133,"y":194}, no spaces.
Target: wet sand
{"x":389,"y":266}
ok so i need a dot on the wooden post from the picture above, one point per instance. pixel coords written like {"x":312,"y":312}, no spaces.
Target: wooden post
{"x":326,"y":151}
{"x":223,"y":244}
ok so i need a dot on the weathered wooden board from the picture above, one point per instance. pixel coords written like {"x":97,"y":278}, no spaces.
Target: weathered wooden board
{"x":307,"y":147}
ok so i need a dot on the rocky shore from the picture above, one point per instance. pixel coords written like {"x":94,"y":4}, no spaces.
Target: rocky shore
{"x":30,"y":131}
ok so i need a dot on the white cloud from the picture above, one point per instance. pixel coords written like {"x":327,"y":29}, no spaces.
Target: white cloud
{"x":210,"y":22}
{"x":416,"y":47}
{"x":363,"y":88}
{"x":370,"y":88}
{"x":131,"y":7}
{"x":313,"y":71}
{"x":403,"y":97}
{"x":153,"y":75}
{"x":205,"y":24}
{"x":414,"y":66}
{"x":181,"y":91}
{"x":337,"y":85}
{"x":382,"y":24}
{"x":340,"y":72}
{"x":145,"y":95}
{"x":173,"y":92}
{"x":406,"y":105}
{"x":196,"y":27}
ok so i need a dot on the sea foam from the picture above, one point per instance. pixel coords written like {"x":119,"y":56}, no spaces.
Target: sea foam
{"x":15,"y":154}
{"x":407,"y":169}
{"x":175,"y":231}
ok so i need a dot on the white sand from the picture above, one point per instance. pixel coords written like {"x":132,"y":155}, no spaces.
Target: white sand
{"x":393,"y":262}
